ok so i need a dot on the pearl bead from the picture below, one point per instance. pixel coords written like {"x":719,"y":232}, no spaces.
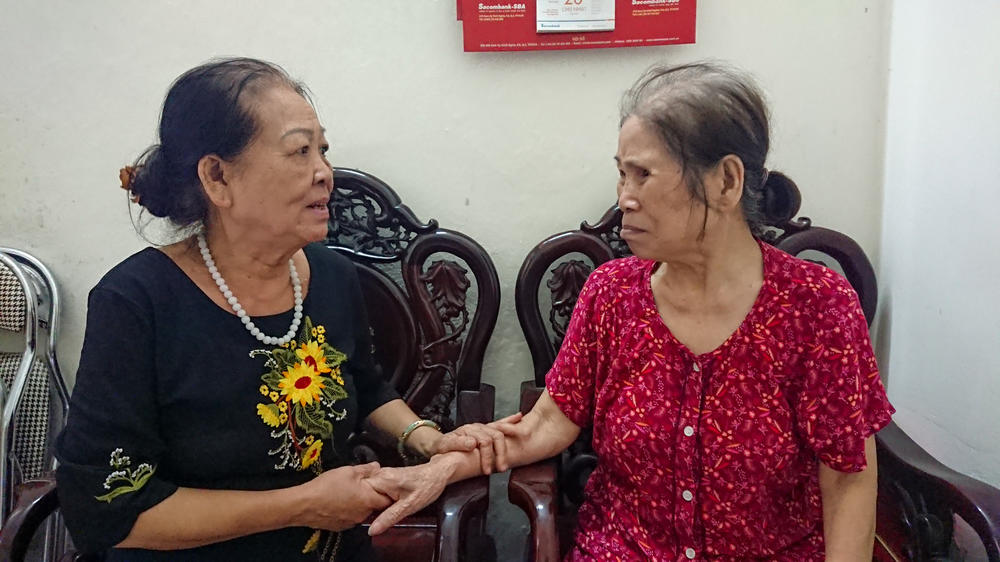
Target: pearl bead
{"x":206,"y":255}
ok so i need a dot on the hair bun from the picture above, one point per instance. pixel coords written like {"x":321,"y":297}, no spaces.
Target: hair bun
{"x":782,"y":198}
{"x":148,"y":179}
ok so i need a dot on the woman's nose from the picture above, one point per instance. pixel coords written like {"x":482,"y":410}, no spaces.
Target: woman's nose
{"x":324,"y":175}
{"x":626,"y":199}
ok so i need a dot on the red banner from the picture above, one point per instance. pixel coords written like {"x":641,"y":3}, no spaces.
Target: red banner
{"x":501,"y":25}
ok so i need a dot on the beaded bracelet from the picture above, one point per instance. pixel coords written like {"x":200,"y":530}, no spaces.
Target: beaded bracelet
{"x":401,"y":444}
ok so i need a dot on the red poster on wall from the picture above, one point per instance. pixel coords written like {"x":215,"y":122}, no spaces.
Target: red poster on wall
{"x":532,"y":25}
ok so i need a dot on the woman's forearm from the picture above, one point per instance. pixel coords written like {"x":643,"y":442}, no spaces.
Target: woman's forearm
{"x":393,"y":417}
{"x":849,"y":510}
{"x":540,"y":434}
{"x":194,"y":517}
{"x":543,"y":432}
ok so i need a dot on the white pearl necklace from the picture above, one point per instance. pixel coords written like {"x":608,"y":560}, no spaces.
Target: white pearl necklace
{"x":231,"y":299}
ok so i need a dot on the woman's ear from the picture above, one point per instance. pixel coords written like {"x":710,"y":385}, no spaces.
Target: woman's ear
{"x":730,"y":177}
{"x":212,"y":171}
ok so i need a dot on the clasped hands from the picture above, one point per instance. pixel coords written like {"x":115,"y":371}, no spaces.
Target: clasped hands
{"x":344,"y":497}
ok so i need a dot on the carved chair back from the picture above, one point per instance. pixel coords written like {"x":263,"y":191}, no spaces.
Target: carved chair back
{"x":433,"y":296}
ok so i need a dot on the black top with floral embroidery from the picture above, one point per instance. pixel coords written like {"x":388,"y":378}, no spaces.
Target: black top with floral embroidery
{"x":172,"y":391}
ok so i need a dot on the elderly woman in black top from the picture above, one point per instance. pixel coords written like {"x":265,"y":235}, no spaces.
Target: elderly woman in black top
{"x":221,"y":375}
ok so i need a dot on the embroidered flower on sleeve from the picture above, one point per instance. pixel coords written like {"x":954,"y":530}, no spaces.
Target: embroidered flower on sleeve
{"x":123,"y":479}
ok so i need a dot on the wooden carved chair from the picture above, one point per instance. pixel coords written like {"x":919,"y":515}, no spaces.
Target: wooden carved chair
{"x":429,"y":342}
{"x":33,"y":397}
{"x":918,"y":496}
{"x":433,"y":297}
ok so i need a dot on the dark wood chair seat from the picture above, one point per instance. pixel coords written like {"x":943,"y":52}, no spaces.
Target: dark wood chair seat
{"x":918,"y":496}
{"x":433,"y":297}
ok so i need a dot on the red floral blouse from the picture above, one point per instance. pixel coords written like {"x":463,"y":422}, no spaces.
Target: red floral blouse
{"x":716,"y":456}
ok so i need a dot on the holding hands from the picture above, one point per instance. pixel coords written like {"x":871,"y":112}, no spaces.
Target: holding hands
{"x":470,"y":449}
{"x":488,"y":438}
{"x":342,"y":498}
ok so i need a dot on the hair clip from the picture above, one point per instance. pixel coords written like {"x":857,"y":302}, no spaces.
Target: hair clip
{"x":127,"y":175}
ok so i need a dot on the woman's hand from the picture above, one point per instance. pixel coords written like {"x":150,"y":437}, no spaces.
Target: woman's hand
{"x":489,"y":438}
{"x":341,"y":498}
{"x":412,"y":487}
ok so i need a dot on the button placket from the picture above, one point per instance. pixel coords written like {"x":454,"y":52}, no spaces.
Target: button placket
{"x":688,"y":458}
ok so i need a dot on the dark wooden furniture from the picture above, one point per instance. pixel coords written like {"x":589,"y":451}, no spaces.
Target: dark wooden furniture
{"x":433,"y":297}
{"x":918,"y":496}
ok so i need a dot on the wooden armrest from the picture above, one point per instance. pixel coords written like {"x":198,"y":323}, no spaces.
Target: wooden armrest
{"x":36,"y":500}
{"x":447,"y":520}
{"x":533,"y":489}
{"x":459,"y":502}
{"x":974,"y":501}
{"x":475,"y":405}
{"x":530,"y":393}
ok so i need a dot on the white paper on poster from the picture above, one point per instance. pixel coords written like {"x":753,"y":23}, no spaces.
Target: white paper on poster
{"x":554,"y":16}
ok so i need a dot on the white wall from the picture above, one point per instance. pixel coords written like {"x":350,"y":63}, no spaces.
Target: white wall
{"x":506,"y":147}
{"x":940,"y":316}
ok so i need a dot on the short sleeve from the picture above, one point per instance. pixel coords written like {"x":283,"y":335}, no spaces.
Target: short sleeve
{"x":373,"y":388}
{"x":108,"y":452}
{"x":572,"y":380}
{"x":842,"y":401}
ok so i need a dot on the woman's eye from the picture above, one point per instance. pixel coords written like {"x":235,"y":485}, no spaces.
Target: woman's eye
{"x":304,"y":150}
{"x":644,"y":173}
{"x":621,"y":174}
{"x":324,"y":149}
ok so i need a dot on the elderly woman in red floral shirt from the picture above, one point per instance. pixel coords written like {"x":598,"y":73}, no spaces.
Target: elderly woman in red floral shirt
{"x":731,"y":388}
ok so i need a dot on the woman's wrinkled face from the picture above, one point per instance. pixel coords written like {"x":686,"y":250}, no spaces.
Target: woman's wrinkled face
{"x":660,"y":218}
{"x":282,"y":182}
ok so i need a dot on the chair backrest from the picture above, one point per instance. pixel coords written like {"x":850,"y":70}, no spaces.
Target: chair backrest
{"x":430,"y":319}
{"x":35,"y":398}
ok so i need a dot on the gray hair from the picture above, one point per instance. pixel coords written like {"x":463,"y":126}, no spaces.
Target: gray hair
{"x":703,"y":112}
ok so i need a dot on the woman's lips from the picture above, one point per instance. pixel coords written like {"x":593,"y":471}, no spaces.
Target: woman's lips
{"x":630,"y":231}
{"x":321,"y":211}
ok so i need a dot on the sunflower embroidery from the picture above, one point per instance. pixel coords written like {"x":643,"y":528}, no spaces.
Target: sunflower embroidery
{"x":301,"y":383}
{"x":300,"y":389}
